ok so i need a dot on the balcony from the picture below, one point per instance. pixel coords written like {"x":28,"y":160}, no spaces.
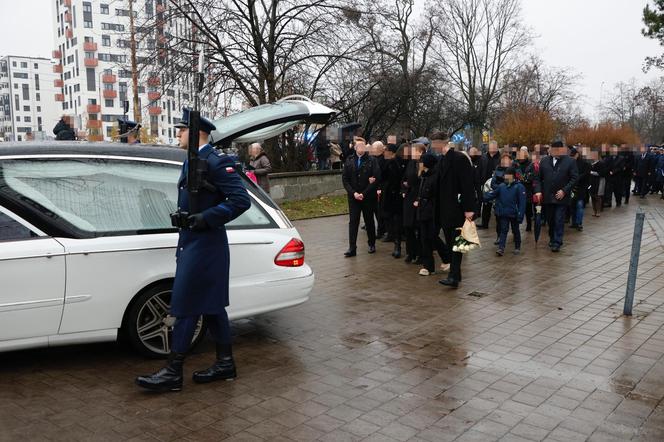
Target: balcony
{"x":68,"y":17}
{"x":69,"y":33}
{"x":59,"y":97}
{"x":91,"y":62}
{"x":154,"y":96}
{"x":93,"y":124}
{"x":89,"y":46}
{"x":58,"y":83}
{"x":110,"y":93}
{"x":95,"y":137}
{"x":154,"y":110}
{"x":57,"y":68}
{"x":57,"y":54}
{"x":154,"y":81}
{"x":94,"y":108}
{"x":108,"y":78}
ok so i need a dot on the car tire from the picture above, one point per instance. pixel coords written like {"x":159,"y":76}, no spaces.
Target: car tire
{"x":148,"y":326}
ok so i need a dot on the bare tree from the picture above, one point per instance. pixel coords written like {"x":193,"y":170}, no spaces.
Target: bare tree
{"x":477,"y":43}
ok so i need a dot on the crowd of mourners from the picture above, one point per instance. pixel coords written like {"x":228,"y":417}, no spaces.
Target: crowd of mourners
{"x":412,"y":191}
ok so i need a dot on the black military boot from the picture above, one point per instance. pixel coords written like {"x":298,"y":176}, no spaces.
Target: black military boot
{"x":168,"y":378}
{"x":223,"y":367}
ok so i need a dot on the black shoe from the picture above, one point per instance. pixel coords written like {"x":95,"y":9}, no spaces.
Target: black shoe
{"x":574,"y":226}
{"x":408,"y":259}
{"x":222,"y":369}
{"x":372,"y":249}
{"x":364,"y":227}
{"x":496,"y":242}
{"x":350,"y":253}
{"x":555,"y":249}
{"x":500,"y":252}
{"x":168,"y":378}
{"x":529,"y":228}
{"x":449,"y":282}
{"x":579,"y":228}
{"x":417,"y":261}
{"x":397,"y":251}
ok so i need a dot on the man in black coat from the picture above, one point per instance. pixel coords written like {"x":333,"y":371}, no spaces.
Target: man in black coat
{"x":558,"y":175}
{"x":614,"y":180}
{"x":580,"y":192}
{"x":63,"y":130}
{"x":628,"y":171}
{"x":487,"y":166}
{"x":360,"y":179}
{"x":391,"y":196}
{"x":455,"y":199}
{"x":642,"y":172}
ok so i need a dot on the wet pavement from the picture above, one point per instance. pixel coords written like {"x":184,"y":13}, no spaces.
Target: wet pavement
{"x":530,"y":347}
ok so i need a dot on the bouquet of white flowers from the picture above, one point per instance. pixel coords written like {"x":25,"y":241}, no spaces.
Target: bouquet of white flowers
{"x":468,"y":239}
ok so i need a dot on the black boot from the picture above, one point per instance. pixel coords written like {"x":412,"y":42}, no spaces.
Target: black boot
{"x":397,"y":250}
{"x":223,"y":367}
{"x":168,"y":378}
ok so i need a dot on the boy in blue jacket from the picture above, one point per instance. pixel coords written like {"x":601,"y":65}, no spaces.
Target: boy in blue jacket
{"x":510,"y":209}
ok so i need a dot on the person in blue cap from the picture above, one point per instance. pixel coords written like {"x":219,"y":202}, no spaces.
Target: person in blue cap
{"x":129,"y":131}
{"x":202,"y":265}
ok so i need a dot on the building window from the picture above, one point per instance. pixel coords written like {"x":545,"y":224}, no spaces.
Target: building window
{"x":24,"y":64}
{"x":26,"y":92}
{"x":108,"y":103}
{"x":38,"y":96}
{"x":38,"y":108}
{"x":26,"y":108}
{"x":92,"y":79}
{"x":39,"y":124}
{"x":122,"y":43}
{"x":77,"y":87}
{"x":13,"y":63}
{"x":108,"y":86}
{"x":20,"y":75}
{"x":37,"y":82}
{"x":105,"y":40}
{"x":87,"y":24}
{"x":27,"y":119}
{"x":103,"y":9}
{"x":87,"y":7}
{"x":36,"y":66}
{"x":17,"y":105}
{"x":18,"y":118}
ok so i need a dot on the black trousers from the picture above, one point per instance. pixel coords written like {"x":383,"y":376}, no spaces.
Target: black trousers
{"x":455,"y":257}
{"x":393,"y":224}
{"x":627,"y":187}
{"x":442,"y":248}
{"x":380,"y":219}
{"x":642,"y":185}
{"x":412,"y":244}
{"x":427,"y":233}
{"x":486,"y":213}
{"x":365,"y":208}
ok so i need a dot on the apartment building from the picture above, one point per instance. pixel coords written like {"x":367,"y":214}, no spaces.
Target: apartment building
{"x":28,"y":109}
{"x":93,"y":64}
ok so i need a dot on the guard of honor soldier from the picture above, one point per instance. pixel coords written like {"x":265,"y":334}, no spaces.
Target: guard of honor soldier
{"x":203,"y":260}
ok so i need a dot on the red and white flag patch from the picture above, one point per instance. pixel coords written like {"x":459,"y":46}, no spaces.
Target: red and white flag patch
{"x":230,"y":170}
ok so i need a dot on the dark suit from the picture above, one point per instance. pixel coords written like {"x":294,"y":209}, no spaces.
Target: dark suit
{"x":643,"y":172}
{"x":614,"y":180}
{"x":355,"y":179}
{"x":409,"y":187}
{"x":456,"y":195}
{"x":563,"y":176}
{"x":203,"y":257}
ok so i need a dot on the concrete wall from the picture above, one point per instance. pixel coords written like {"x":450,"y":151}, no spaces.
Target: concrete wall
{"x":291,"y":186}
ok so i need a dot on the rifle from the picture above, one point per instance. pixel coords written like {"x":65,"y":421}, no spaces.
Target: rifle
{"x":197,"y":168}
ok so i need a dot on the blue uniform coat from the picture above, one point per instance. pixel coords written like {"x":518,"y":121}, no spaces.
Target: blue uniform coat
{"x":203,"y":257}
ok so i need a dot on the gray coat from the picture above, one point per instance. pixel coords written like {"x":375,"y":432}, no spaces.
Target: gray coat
{"x":262,"y":168}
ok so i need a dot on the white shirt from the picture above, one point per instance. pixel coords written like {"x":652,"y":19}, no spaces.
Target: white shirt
{"x":555,"y":160}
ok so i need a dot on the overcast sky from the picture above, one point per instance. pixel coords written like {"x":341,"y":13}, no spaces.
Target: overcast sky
{"x":599,"y":39}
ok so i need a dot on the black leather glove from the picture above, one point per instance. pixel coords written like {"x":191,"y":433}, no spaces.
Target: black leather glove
{"x":197,"y":222}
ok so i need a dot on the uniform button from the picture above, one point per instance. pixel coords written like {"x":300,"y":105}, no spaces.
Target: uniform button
{"x":181,"y":248}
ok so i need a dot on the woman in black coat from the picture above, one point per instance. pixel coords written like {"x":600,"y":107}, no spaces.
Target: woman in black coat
{"x":410,"y":184}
